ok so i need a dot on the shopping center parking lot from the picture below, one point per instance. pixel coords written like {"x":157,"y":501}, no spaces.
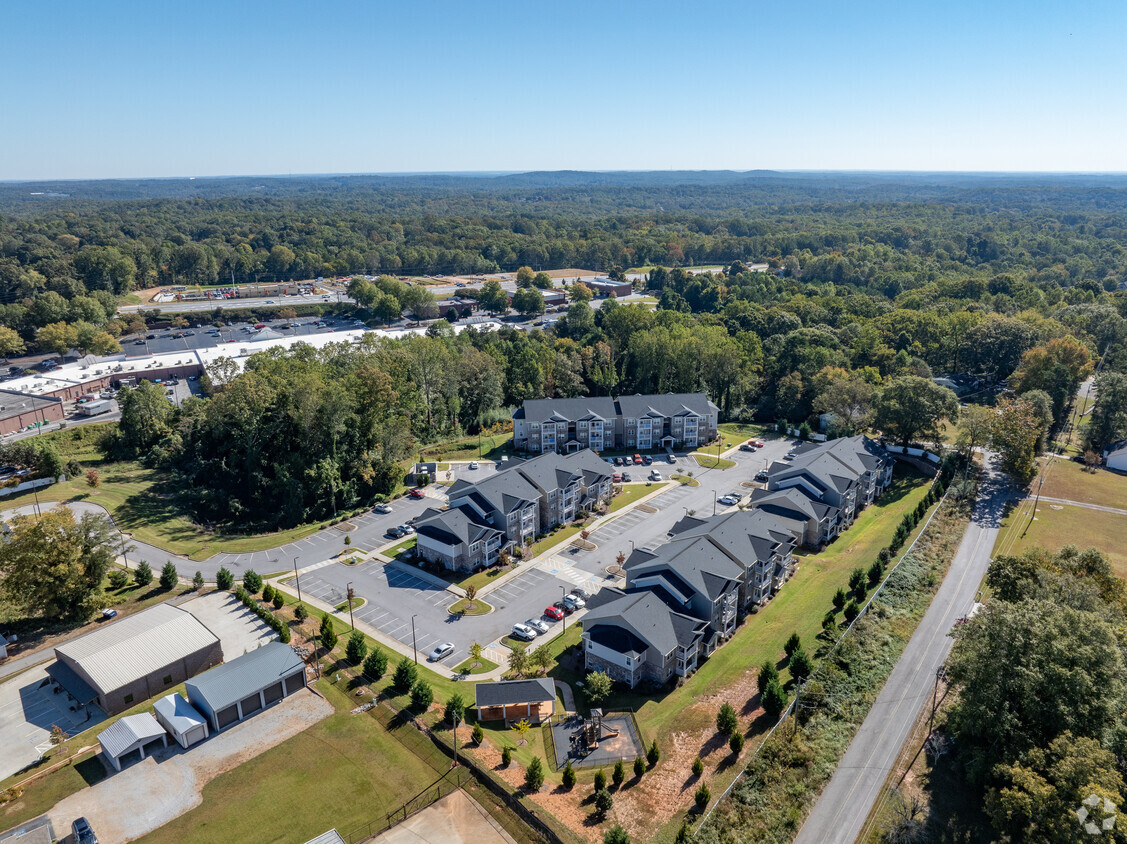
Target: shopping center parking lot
{"x":394,"y":595}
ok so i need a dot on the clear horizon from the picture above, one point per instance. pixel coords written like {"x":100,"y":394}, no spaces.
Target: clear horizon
{"x":133,"y":91}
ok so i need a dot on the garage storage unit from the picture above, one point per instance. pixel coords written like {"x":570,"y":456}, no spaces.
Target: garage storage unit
{"x":130,"y":733}
{"x":136,"y":658}
{"x":183,"y":722}
{"x":245,"y":685}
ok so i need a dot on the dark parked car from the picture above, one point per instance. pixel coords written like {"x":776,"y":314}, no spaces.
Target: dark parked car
{"x":647,"y":460}
{"x":83,"y":833}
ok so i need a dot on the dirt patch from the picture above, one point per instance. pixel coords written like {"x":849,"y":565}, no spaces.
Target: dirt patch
{"x":148,"y":794}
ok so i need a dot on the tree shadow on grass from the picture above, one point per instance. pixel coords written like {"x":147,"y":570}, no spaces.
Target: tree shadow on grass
{"x":91,"y":770}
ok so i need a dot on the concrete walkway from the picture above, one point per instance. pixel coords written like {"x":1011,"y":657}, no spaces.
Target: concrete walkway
{"x":568,"y":696}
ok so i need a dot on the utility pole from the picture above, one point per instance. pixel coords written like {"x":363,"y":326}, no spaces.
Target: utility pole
{"x":297,"y":578}
{"x":940,"y":674}
{"x":351,"y":623}
{"x":414,"y":647}
{"x":563,"y":594}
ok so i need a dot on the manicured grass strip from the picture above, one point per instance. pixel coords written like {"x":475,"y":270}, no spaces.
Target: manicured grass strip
{"x":712,"y":461}
{"x":464,"y":607}
{"x":744,"y":431}
{"x":401,"y":551}
{"x":558,"y":537}
{"x":631,"y":493}
{"x":685,"y":480}
{"x":475,"y":666}
{"x":1054,"y":528}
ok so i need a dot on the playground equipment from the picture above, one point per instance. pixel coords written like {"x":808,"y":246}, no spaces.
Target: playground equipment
{"x":591,"y":731}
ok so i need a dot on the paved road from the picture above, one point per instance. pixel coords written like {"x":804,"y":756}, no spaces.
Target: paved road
{"x":840,"y":813}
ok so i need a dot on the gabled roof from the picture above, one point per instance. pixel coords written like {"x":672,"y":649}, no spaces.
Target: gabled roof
{"x":793,"y":500}
{"x":509,"y":692}
{"x":506,"y":491}
{"x":649,"y":619}
{"x":822,"y":471}
{"x":744,"y":536}
{"x":243,"y":676}
{"x":180,"y":714}
{"x":696,"y":562}
{"x":137,"y":645}
{"x":458,"y":524}
{"x":129,"y":732}
{"x":669,"y":404}
{"x":569,"y":410}
{"x":1115,"y":449}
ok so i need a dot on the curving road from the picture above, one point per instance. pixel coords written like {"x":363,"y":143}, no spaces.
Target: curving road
{"x":368,"y":534}
{"x":840,"y":813}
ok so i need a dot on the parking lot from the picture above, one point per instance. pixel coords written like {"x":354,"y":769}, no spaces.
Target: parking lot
{"x":29,"y":707}
{"x":394,"y":595}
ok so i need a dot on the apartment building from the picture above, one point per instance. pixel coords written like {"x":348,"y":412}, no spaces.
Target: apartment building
{"x":460,"y":538}
{"x":644,"y":423}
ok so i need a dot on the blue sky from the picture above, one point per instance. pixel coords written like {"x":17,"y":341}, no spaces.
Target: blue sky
{"x":128,"y":89}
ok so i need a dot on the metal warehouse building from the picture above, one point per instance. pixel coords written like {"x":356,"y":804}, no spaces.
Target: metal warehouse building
{"x":247,"y":684}
{"x":136,"y":658}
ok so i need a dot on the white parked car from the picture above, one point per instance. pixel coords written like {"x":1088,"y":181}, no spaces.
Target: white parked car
{"x":537,"y":625}
{"x":574,"y":602}
{"x":727,"y":500}
{"x":523,"y":631}
{"x":382,"y":508}
{"x":655,"y":475}
{"x":473,"y":464}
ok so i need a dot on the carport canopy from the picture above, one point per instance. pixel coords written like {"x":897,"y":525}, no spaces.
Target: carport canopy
{"x":130,"y":733}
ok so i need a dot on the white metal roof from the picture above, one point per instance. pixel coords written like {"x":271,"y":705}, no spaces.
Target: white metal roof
{"x":128,"y":733}
{"x":137,"y":645}
{"x":180,"y":715}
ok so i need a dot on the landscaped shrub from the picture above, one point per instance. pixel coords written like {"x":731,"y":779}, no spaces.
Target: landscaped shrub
{"x":279,"y":599}
{"x":653,"y":754}
{"x":876,"y":572}
{"x":702,"y":796}
{"x":767,"y":673}
{"x":639,"y":767}
{"x":856,"y":579}
{"x":774,"y":700}
{"x":794,"y":642}
{"x":534,"y":775}
{"x":224,"y":579}
{"x":455,"y":711}
{"x":118,"y":579}
{"x":300,"y":613}
{"x":839,"y":599}
{"x":616,"y":835}
{"x":885,"y":556}
{"x":618,"y":775}
{"x":568,"y":775}
{"x":375,"y":665}
{"x":197,"y":581}
{"x":698,"y":767}
{"x":852,"y":610}
{"x":268,"y":593}
{"x":603,"y":802}
{"x":356,"y":648}
{"x":328,"y":636}
{"x":736,"y":743}
{"x":143,"y":574}
{"x":506,"y":754}
{"x":252,"y":581}
{"x":800,"y":665}
{"x":600,"y":780}
{"x":726,"y":720}
{"x":406,"y":673}
{"x":422,"y":695}
{"x":168,"y":577}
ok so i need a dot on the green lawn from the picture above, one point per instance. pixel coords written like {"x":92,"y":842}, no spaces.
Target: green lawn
{"x":631,"y":493}
{"x":798,"y":607}
{"x":462,"y":607}
{"x":1066,"y":479}
{"x":746,"y":431}
{"x":707,"y":461}
{"x":490,"y":447}
{"x":685,"y":480}
{"x":484,"y":667}
{"x":1057,"y":525}
{"x":402,"y":551}
{"x":557,"y":537}
{"x":342,"y":772}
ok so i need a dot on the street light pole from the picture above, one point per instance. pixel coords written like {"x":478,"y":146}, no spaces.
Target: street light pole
{"x":297,"y":578}
{"x":350,"y":594}
{"x":563,"y":594}
{"x":414,"y":647}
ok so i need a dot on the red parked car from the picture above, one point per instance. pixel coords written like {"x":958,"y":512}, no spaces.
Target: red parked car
{"x":637,"y":460}
{"x":554,"y":613}
{"x":416,"y":494}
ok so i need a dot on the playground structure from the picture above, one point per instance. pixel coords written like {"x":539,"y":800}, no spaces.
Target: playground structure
{"x":601,"y":739}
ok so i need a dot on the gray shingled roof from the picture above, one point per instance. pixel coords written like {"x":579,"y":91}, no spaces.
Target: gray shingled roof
{"x":505,"y":491}
{"x":668,"y":404}
{"x":508,"y":692}
{"x":649,"y":618}
{"x":569,"y":410}
{"x":792,"y":500}
{"x":245,"y":675}
{"x":458,"y":524}
{"x":746,"y":536}
{"x":130,"y":731}
{"x":695,"y":560}
{"x":137,"y":645}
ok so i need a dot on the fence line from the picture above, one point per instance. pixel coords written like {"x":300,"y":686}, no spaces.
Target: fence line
{"x":448,"y":783}
{"x":848,"y":630}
